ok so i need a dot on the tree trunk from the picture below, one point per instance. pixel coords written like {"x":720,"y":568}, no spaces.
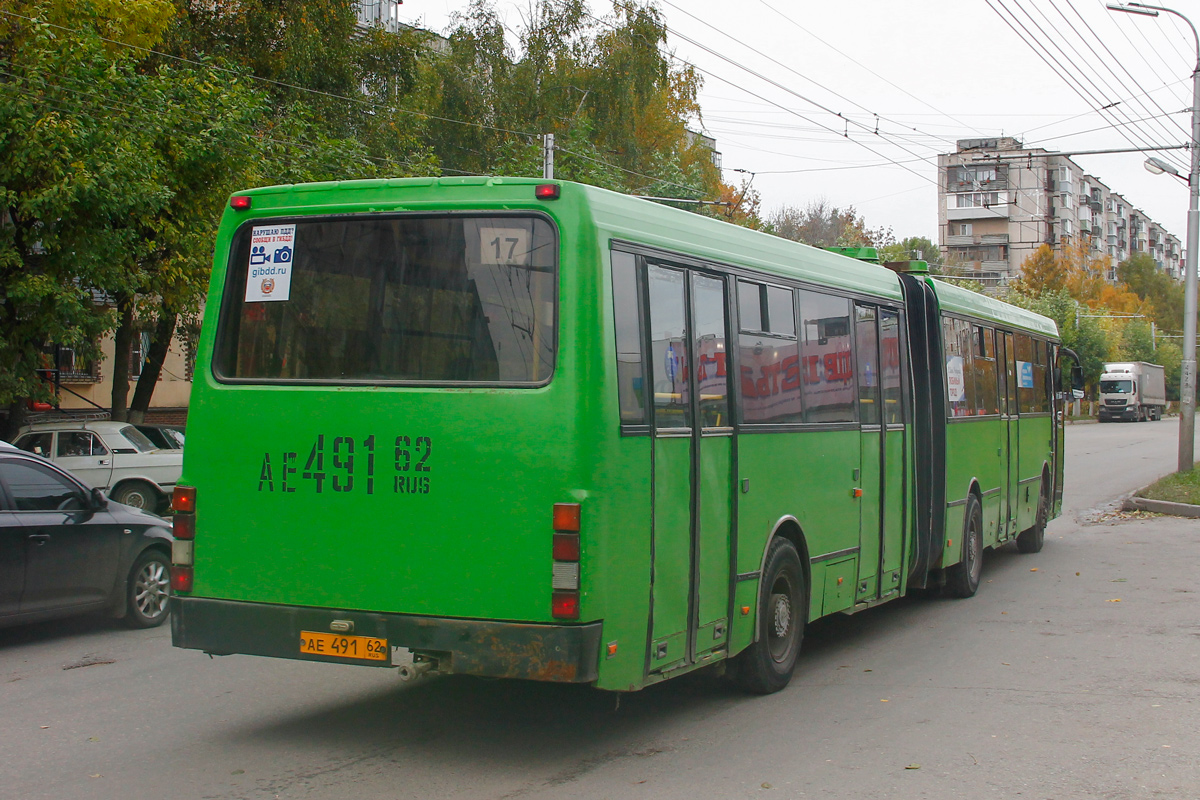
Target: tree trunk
{"x":122,"y":347}
{"x":159,"y":345}
{"x":18,"y":412}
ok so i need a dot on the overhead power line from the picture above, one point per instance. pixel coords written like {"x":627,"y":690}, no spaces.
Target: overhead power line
{"x":766,"y":100}
{"x":852,"y":60}
{"x":1042,"y":50}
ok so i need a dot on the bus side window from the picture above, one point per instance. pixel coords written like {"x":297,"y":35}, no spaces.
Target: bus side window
{"x":769,"y":360}
{"x":1040,"y":372}
{"x":1026,"y":385}
{"x":984,"y":359}
{"x":826,"y":358}
{"x":960,"y":387}
{"x":891,"y":369}
{"x":627,"y":321}
{"x":669,"y":347}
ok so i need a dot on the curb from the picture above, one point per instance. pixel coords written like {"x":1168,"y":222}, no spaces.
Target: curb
{"x":1161,"y":507}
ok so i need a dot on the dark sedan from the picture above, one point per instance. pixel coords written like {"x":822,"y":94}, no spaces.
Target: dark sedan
{"x":66,"y":549}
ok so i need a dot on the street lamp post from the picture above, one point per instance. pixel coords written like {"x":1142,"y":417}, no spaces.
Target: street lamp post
{"x":1187,"y":383}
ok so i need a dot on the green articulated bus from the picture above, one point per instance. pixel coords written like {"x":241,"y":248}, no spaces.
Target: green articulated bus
{"x":540,"y":430}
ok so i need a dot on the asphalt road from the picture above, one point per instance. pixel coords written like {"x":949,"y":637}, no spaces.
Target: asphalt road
{"x":1073,"y":673}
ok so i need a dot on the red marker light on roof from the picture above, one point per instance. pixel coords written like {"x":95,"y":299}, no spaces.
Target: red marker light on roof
{"x":547,"y":191}
{"x":239,"y":202}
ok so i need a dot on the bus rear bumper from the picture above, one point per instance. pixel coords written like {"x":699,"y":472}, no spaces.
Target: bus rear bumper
{"x":561,"y":653}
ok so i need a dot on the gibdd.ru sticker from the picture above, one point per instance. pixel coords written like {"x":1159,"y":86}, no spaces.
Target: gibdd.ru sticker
{"x":269,"y":276}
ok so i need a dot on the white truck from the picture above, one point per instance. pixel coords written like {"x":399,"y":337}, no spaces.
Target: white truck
{"x":1132,"y":390}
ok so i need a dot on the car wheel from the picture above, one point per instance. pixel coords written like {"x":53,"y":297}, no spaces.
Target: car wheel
{"x":962,"y":579}
{"x":766,"y":665}
{"x":148,"y":591}
{"x":137,"y":494}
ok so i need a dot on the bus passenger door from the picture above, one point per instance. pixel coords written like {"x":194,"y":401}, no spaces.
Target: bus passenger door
{"x":693,"y":453}
{"x":1008,"y":414}
{"x":895,"y":469}
{"x":713,"y":490}
{"x":872,"y":486}
{"x":672,"y":432}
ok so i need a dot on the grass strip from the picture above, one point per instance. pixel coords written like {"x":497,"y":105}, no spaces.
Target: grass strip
{"x":1180,"y":487}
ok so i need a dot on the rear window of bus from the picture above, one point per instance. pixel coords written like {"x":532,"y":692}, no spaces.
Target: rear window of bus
{"x":446,"y":299}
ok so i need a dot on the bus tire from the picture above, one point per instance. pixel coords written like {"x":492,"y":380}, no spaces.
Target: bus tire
{"x":766,"y":665}
{"x":962,"y":579}
{"x":1031,"y":541}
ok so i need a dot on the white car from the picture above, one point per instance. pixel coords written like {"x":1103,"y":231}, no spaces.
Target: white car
{"x":113,"y":456}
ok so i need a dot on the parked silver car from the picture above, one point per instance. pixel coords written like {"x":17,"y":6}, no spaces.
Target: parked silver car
{"x":113,"y":456}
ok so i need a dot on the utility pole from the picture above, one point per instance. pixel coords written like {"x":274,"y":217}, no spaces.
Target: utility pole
{"x":1187,"y":378}
{"x":548,"y":156}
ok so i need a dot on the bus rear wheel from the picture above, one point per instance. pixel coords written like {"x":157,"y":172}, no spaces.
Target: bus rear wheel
{"x":1031,"y":541}
{"x":962,"y":579}
{"x":766,"y":665}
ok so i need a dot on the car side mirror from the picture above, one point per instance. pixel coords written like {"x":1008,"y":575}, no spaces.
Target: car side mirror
{"x":99,"y":501}
{"x":1077,"y":380}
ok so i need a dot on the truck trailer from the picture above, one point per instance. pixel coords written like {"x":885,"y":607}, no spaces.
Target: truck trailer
{"x":1133,"y":391}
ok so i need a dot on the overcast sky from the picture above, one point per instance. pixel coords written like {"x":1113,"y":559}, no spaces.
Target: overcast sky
{"x":778,"y":74}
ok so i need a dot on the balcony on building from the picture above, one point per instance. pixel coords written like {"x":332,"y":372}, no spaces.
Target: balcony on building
{"x":977,"y":205}
{"x":385,"y":13}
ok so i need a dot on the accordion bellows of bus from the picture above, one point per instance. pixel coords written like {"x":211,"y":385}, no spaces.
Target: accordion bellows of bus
{"x":539,"y":430}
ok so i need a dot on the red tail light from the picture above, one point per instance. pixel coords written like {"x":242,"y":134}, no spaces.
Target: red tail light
{"x":239,"y":202}
{"x":566,"y":517}
{"x":564,"y":605}
{"x":566,"y":547}
{"x":547,"y":191}
{"x":564,"y":583}
{"x":184,"y":526}
{"x":181,"y":578}
{"x":184,"y":499}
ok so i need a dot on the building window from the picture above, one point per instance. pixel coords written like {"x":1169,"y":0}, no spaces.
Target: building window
{"x":69,"y":365}
{"x":964,"y":228}
{"x":977,"y":199}
{"x":137,"y":354}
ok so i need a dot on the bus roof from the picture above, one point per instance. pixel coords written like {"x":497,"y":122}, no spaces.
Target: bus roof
{"x":647,"y":222}
{"x":619,"y":216}
{"x":957,"y":300}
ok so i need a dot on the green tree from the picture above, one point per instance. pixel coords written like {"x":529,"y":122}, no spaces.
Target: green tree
{"x":1136,"y":342}
{"x":617,"y":106}
{"x":1143,"y":277}
{"x":821,"y":224}
{"x":1170,"y":355}
{"x":912,"y":248}
{"x":68,"y":180}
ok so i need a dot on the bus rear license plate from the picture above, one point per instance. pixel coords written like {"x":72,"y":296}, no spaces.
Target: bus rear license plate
{"x":333,"y":644}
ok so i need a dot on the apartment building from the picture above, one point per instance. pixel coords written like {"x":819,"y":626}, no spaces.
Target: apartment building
{"x":999,"y":201}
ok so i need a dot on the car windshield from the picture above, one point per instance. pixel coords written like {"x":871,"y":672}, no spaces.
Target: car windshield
{"x":137,"y":439}
{"x":1115,"y":387}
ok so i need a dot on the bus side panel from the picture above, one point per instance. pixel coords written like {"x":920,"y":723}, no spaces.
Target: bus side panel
{"x":808,"y":475}
{"x":617,"y":559}
{"x":969,"y":451}
{"x":1035,"y":433}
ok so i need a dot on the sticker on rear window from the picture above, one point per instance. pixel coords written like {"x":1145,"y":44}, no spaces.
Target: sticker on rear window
{"x":270,"y":274}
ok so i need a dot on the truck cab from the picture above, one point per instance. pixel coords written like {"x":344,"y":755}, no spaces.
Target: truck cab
{"x":1132,"y":391}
